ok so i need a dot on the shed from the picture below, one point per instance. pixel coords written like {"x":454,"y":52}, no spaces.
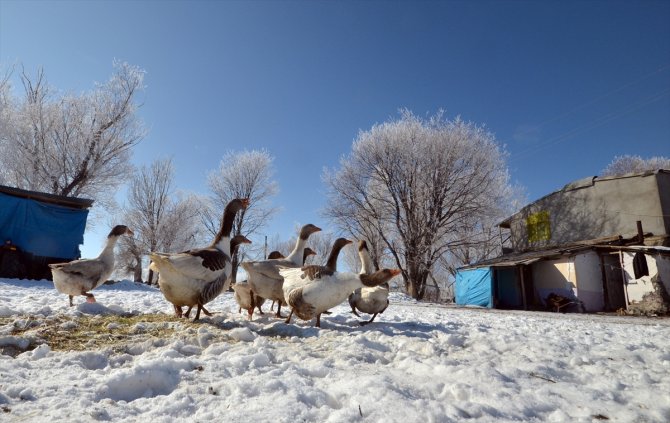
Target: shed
{"x":37,"y":229}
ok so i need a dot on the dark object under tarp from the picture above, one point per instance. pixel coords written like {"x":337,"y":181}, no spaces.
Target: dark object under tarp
{"x":43,"y":228}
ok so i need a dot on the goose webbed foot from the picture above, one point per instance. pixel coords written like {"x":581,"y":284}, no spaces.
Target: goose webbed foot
{"x":89,"y":297}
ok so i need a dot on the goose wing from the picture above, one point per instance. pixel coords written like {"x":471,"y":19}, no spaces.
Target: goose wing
{"x":268,"y":268}
{"x":90,"y":269}
{"x":200,"y":263}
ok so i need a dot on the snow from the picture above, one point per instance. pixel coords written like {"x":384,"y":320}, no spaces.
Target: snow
{"x":135,"y":361}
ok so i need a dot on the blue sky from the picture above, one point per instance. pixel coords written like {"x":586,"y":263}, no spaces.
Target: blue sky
{"x":566,"y":86}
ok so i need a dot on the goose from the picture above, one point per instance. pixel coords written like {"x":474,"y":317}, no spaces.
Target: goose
{"x":328,"y":290}
{"x":310,"y":273}
{"x":275,"y":255}
{"x":197,"y":276}
{"x":234,"y":243}
{"x":80,"y":276}
{"x":263,"y":276}
{"x":306,"y":253}
{"x":371,"y":300}
{"x":243,"y":295}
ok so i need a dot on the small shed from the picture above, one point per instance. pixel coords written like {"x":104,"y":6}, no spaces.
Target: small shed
{"x":36,"y":229}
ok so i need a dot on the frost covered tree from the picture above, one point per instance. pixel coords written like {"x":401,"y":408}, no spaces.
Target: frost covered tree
{"x":162,"y":219}
{"x":72,"y":145}
{"x":416,"y":184}
{"x":245,"y":174}
{"x":634,"y":164}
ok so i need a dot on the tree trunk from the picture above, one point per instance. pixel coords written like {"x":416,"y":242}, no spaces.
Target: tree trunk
{"x":416,"y":282}
{"x":138,"y":273}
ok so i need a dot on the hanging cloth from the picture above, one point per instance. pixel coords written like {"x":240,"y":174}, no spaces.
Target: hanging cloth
{"x":640,"y":267}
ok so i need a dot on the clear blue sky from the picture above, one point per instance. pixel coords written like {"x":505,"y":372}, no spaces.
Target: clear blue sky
{"x":565,"y":85}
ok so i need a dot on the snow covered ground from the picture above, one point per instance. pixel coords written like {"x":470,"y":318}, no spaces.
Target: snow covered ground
{"x":127,"y":358}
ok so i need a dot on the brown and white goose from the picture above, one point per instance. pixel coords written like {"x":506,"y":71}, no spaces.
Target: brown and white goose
{"x":312,"y":272}
{"x":327,"y":291}
{"x":263,"y":276}
{"x":197,"y":276}
{"x":371,"y":300}
{"x":234,"y":244}
{"x":80,"y":276}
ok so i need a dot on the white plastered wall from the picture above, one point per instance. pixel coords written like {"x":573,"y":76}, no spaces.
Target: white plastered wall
{"x":637,"y":288}
{"x":554,"y":275}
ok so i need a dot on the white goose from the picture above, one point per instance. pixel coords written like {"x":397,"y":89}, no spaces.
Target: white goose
{"x":310,"y":273}
{"x":328,"y":291}
{"x":263,"y":276}
{"x":197,"y":276}
{"x":80,"y":276}
{"x":371,"y":300}
{"x":276,"y":254}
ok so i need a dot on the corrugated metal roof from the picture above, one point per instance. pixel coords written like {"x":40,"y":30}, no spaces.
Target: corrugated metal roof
{"x":60,"y":200}
{"x":530,"y":257}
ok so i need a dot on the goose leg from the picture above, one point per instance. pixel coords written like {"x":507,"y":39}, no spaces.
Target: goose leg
{"x":288,"y":319}
{"x":318,"y":320}
{"x":258,"y":305}
{"x":204,"y":310}
{"x":369,"y":321}
{"x":188,"y":311}
{"x":197,"y":314}
{"x":71,"y":303}
{"x":353,"y":310}
{"x":278,"y":314}
{"x":250,"y":311}
{"x":178,"y":311}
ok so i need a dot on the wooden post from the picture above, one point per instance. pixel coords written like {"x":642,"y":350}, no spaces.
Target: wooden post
{"x":640,"y":234}
{"x":521,"y":271}
{"x":603,"y":275}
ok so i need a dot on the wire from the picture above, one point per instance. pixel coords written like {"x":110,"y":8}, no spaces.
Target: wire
{"x":603,"y":96}
{"x":590,"y":125}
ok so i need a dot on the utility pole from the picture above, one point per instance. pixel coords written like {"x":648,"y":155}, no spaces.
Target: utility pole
{"x":265,"y":248}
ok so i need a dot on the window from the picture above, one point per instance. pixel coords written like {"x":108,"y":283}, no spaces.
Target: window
{"x":538,"y":227}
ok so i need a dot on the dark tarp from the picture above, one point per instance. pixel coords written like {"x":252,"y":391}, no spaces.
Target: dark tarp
{"x":475,"y":287}
{"x":42,"y":229}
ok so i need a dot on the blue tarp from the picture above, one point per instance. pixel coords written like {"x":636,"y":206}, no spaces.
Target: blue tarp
{"x":40,"y":228}
{"x":475,"y":287}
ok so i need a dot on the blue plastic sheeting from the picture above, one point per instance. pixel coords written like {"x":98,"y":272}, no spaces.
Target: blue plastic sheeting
{"x":42,"y":229}
{"x":475,"y":287}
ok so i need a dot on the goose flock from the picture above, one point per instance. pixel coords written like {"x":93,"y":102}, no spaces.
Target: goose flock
{"x":195,"y":277}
